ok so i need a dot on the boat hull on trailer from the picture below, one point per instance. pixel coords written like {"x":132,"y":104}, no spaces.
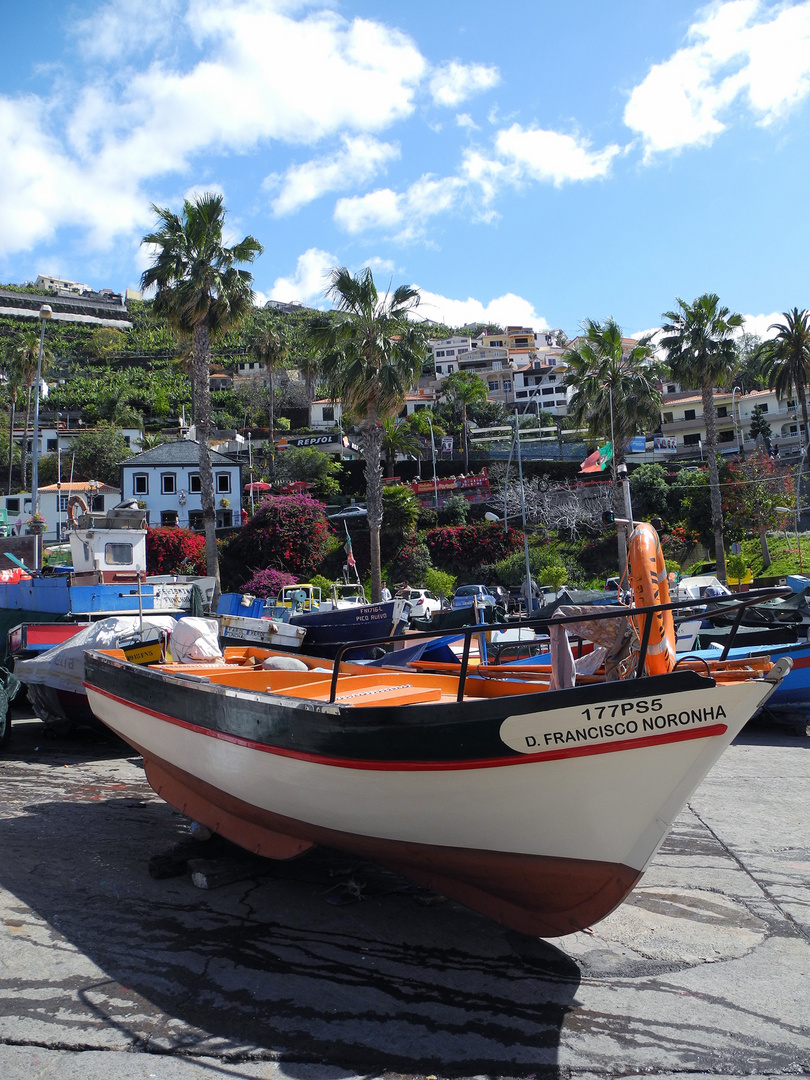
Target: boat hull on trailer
{"x":538,"y":809}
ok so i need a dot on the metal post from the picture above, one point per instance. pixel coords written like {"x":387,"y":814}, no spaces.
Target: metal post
{"x":433,"y":452}
{"x":45,"y":312}
{"x":529,"y":591}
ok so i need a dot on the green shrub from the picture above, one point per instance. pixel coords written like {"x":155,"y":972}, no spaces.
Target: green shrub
{"x":439,"y":582}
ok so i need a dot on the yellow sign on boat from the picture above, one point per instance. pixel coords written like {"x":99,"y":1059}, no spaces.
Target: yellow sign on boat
{"x":150,"y":652}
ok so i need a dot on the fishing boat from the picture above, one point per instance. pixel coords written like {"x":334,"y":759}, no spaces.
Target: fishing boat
{"x":536,"y":805}
{"x":322,"y":625}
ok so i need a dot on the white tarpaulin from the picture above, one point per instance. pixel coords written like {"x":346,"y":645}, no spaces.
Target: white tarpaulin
{"x":63,"y":666}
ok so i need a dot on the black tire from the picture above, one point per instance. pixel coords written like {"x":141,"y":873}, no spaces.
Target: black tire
{"x":5,"y":728}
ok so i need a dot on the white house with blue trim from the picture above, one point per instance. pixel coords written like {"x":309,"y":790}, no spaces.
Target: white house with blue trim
{"x":166,"y":482}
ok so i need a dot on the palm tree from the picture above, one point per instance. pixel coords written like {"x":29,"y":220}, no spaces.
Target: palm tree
{"x":201,"y":292}
{"x":11,"y":374}
{"x":617,"y":392}
{"x":271,"y":347}
{"x":372,"y":355}
{"x":398,"y":438}
{"x":785,"y":360}
{"x":465,"y":388}
{"x":26,"y":361}
{"x":698,"y":340}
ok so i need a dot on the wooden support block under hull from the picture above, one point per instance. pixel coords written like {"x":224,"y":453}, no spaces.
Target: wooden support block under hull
{"x":542,"y":896}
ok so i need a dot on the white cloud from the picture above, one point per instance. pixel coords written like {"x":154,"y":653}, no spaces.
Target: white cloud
{"x":464,"y":120}
{"x":378,"y":209}
{"x":507,"y":309}
{"x":761,"y":324}
{"x":552,"y":157}
{"x":310,"y":280}
{"x":360,"y":158}
{"x":742,"y":54}
{"x":84,"y":157}
{"x":454,"y":82}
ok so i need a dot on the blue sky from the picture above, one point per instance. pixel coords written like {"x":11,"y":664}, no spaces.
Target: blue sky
{"x":527,"y":162}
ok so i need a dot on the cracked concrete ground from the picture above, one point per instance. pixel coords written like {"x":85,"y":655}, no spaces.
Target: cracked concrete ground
{"x":328,"y":968}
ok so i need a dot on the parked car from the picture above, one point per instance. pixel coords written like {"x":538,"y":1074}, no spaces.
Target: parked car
{"x":423,"y":603}
{"x":349,"y":512}
{"x":501,"y":595}
{"x":466,"y":594}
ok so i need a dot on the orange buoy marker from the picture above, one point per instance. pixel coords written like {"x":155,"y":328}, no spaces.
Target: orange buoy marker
{"x":647,"y":574}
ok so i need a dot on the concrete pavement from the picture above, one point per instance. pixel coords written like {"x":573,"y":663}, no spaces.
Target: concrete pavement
{"x":330,"y":968}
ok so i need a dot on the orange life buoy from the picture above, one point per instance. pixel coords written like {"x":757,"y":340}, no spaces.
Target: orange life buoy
{"x":73,"y":501}
{"x":647,"y":573}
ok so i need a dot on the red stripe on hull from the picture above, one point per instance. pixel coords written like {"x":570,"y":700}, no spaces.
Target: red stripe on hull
{"x":537,"y":895}
{"x":429,"y":766}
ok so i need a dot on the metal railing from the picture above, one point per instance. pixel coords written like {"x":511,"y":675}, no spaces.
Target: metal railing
{"x":706,"y":607}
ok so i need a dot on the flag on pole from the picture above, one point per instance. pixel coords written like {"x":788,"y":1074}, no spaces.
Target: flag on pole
{"x":597,"y":461}
{"x":347,"y":547}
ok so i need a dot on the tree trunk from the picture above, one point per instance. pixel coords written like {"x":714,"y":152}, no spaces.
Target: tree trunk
{"x":372,"y":446}
{"x":11,"y":443}
{"x":464,"y":437}
{"x":763,"y":543}
{"x":710,"y":423}
{"x":801,"y":393}
{"x":202,"y":419}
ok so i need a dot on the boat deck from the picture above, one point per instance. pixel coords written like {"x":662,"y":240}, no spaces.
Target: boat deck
{"x":419,"y":682}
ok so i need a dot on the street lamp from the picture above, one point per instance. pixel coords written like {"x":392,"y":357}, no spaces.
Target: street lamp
{"x":45,"y":313}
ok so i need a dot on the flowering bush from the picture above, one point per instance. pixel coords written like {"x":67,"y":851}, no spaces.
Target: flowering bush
{"x":174,"y":551}
{"x":287,"y":532}
{"x":464,"y":547}
{"x":269,"y":582}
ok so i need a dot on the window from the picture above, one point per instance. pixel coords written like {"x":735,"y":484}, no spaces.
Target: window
{"x":492,"y":384}
{"x":223,"y":482}
{"x":118,"y":554}
{"x":438,"y":369}
{"x":668,"y":417}
{"x":691,"y":440}
{"x":168,"y":483}
{"x":497,"y":365}
{"x":97,"y":504}
{"x":522,"y":393}
{"x":329,"y":412}
{"x":552,"y":378}
{"x":194,"y":483}
{"x":764,"y":408}
{"x":440,"y":352}
{"x":725,"y":436}
{"x":689,"y":414}
{"x":140,"y":483}
{"x":168,"y":518}
{"x":722,"y":410}
{"x":547,"y":390}
{"x":63,"y":503}
{"x":13,"y":506}
{"x":671,"y":388}
{"x":51,"y":445}
{"x":195,"y":519}
{"x":507,"y":385}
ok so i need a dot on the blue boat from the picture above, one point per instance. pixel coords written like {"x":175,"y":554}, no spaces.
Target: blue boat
{"x":328,"y":624}
{"x":108,"y":576}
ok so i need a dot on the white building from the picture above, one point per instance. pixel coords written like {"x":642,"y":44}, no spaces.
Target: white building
{"x":166,"y":482}
{"x":53,"y":505}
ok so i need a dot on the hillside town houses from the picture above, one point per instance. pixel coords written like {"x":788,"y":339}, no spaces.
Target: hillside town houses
{"x":523,"y":369}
